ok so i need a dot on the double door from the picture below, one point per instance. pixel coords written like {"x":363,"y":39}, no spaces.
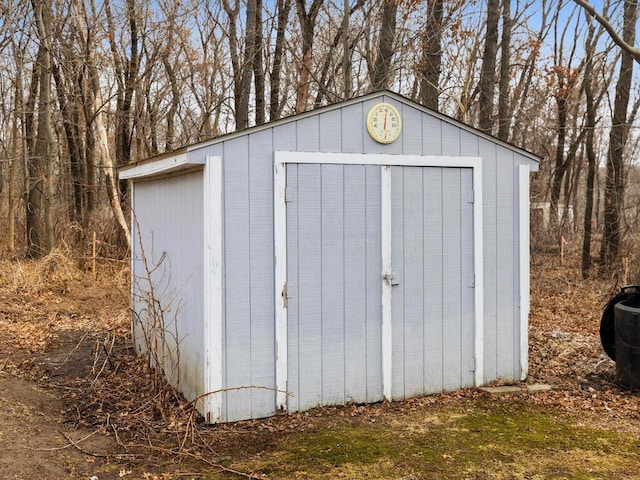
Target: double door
{"x":379,"y":277}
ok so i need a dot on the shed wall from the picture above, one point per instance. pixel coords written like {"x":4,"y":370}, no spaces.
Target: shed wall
{"x":249,"y":353}
{"x":168,"y":253}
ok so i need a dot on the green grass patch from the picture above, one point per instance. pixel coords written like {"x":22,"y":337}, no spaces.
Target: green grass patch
{"x":488,"y":440}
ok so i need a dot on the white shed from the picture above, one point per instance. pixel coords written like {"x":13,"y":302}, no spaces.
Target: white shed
{"x":364,"y":251}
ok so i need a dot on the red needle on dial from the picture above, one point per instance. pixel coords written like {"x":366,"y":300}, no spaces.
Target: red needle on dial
{"x":384,"y":127}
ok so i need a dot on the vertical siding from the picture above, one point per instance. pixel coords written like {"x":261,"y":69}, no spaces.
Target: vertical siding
{"x":330,"y":131}
{"x":507,"y":282}
{"x":355,"y":284}
{"x":398,"y":291}
{"x":435,"y":297}
{"x":413,"y":279}
{"x":237,"y":278}
{"x":333,"y":264}
{"x":309,"y":286}
{"x":411,"y":131}
{"x":452,"y":281}
{"x":308,"y":134}
{"x":261,"y":273}
{"x":450,"y":140}
{"x":431,"y":135}
{"x":352,"y":122}
{"x":432,"y":304}
{"x":333,"y":253}
{"x":248,"y":258}
{"x":490,"y":231}
{"x":373,"y":249}
{"x":170,"y":219}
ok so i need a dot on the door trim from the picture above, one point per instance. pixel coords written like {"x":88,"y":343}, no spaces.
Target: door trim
{"x":281,"y":159}
{"x":523,"y":228}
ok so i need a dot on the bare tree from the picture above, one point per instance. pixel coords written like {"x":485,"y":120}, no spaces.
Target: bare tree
{"x":126,"y":63}
{"x":615,"y":183}
{"x":40,"y":238}
{"x":382,"y":68}
{"x":488,"y":70}
{"x":275,"y":105}
{"x":307,"y":19}
{"x":504,"y":119}
{"x":429,"y":68}
{"x":564,"y":77}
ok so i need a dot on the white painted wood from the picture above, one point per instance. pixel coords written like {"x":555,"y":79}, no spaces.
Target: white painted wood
{"x":523,"y":242}
{"x":213,"y":312}
{"x":377,"y":159}
{"x":280,"y":247}
{"x":159,"y":167}
{"x":478,"y":266}
{"x":387,"y":339}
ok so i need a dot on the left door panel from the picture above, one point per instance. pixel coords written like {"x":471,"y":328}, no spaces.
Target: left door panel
{"x":333,"y":284}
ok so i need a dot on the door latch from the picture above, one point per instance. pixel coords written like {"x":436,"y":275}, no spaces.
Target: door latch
{"x":391,"y":278}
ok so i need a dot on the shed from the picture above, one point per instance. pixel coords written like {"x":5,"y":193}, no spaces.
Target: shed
{"x":328,"y":258}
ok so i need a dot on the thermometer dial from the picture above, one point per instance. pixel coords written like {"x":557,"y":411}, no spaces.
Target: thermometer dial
{"x":384,"y":123}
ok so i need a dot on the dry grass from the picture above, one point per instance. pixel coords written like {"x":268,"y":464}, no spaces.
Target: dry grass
{"x":54,"y":310}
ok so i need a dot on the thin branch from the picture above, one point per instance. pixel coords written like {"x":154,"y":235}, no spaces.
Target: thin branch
{"x":630,"y":49}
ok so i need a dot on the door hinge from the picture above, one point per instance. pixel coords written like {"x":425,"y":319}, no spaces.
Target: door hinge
{"x":472,"y":196}
{"x":289,"y":194}
{"x":472,"y":365}
{"x":473,"y":281}
{"x":285,"y":297}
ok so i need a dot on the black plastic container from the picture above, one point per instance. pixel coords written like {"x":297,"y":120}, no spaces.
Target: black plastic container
{"x":627,"y":342}
{"x":607,"y":323}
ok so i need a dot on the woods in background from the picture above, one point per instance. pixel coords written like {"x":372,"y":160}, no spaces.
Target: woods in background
{"x":87,"y":87}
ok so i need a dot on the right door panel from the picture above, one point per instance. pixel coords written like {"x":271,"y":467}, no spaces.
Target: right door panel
{"x":433,"y":296}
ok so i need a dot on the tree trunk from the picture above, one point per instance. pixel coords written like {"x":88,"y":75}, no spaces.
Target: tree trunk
{"x":275,"y":106}
{"x":102,"y":140}
{"x":307,"y":28}
{"x":258,"y":66}
{"x":40,"y":238}
{"x":431,"y":55}
{"x":488,"y":70}
{"x":504,"y":117}
{"x":560,"y":165}
{"x":17,"y":150}
{"x":246,"y":70}
{"x":126,"y":70}
{"x":70,"y":122}
{"x":346,"y":51}
{"x":382,"y":66}
{"x":614,"y":182}
{"x":175,"y":102}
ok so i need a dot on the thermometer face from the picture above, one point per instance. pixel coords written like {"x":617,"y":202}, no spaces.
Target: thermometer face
{"x":384,"y":123}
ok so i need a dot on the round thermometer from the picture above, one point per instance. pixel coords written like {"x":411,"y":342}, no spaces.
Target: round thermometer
{"x":384,"y":123}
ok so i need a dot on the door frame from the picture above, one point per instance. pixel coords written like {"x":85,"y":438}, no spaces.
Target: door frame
{"x":281,"y":159}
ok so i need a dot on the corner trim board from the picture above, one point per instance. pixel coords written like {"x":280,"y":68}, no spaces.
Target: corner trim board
{"x":280,"y":246}
{"x":213,"y":307}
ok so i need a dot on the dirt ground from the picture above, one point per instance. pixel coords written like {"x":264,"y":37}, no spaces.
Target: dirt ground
{"x":75,"y":403}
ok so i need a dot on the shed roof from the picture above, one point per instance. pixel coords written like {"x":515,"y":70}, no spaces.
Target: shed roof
{"x":178,"y":159}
